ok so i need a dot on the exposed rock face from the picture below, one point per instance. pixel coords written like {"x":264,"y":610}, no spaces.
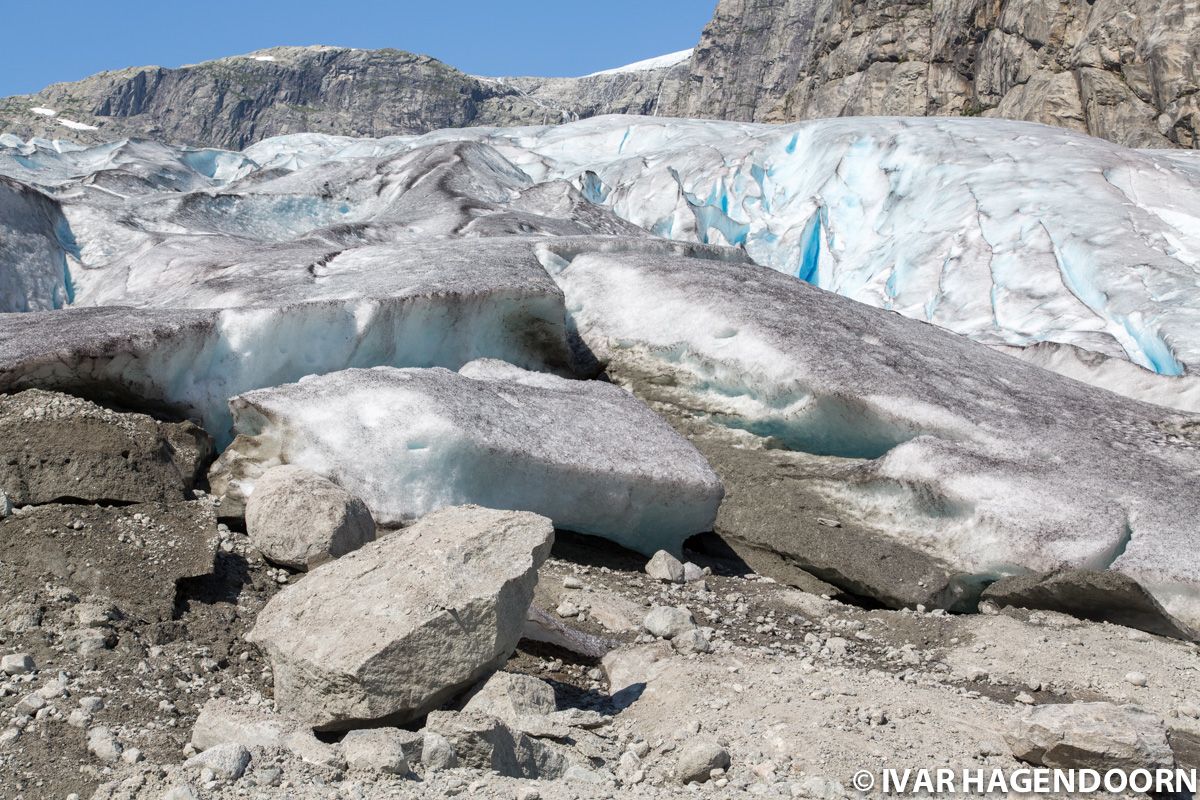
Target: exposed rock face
{"x":233,"y":102}
{"x":1116,"y":69}
{"x":390,"y":631}
{"x":56,"y":447}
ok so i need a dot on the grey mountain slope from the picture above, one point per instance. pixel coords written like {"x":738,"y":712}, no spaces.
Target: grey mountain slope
{"x":233,"y":102}
{"x":1123,"y":70}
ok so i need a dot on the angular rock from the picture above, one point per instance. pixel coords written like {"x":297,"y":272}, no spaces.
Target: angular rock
{"x":17,"y":664}
{"x":491,"y":434}
{"x":665,"y":567}
{"x":131,"y":555}
{"x":1099,"y":736}
{"x":300,"y":520}
{"x":227,"y":761}
{"x":56,"y":447}
{"x":698,"y":758}
{"x":390,"y":631}
{"x":484,"y":742}
{"x":635,"y":666}
{"x":375,"y":750}
{"x":667,"y":622}
{"x":223,"y":720}
{"x":103,"y":744}
{"x":691,"y":641}
{"x":308,"y":748}
{"x":437,"y":753}
{"x":509,"y":696}
{"x":1089,"y":594}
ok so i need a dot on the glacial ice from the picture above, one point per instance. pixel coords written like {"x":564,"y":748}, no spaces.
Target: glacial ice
{"x":35,"y":251}
{"x":586,"y":454}
{"x":195,"y":343}
{"x":989,"y":463}
{"x":974,"y":225}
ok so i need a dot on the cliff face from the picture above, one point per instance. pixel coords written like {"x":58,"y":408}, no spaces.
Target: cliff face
{"x":233,"y":102}
{"x":1124,"y":70}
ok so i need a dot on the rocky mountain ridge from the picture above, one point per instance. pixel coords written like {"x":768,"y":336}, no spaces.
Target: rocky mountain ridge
{"x":1121,"y":71}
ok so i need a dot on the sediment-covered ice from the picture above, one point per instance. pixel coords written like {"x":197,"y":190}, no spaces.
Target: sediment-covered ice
{"x":196,"y":343}
{"x":586,"y":454}
{"x":989,"y":463}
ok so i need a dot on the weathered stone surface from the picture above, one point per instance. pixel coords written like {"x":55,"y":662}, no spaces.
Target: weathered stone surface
{"x":223,"y":720}
{"x":131,"y":555}
{"x":1089,"y":594}
{"x":322,"y":89}
{"x":698,"y":758}
{"x":56,"y":447}
{"x":509,"y":695}
{"x":375,"y":750}
{"x":299,"y":519}
{"x":665,"y":567}
{"x":1113,"y":68}
{"x":393,"y":629}
{"x":227,"y":761}
{"x":1099,"y":736}
{"x":667,"y":622}
{"x":481,"y":741}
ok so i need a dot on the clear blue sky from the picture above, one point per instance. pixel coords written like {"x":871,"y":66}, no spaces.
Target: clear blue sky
{"x":70,"y":39}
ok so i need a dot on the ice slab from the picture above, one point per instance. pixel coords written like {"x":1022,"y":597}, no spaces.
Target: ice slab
{"x":586,"y":454}
{"x":266,"y":323}
{"x":991,"y":464}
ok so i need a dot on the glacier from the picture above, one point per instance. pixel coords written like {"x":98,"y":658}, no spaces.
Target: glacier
{"x":1011,"y":233}
{"x":989,"y":464}
{"x":850,"y":292}
{"x":411,"y":441}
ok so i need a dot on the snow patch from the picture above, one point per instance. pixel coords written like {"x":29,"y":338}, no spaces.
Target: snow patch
{"x":658,"y":62}
{"x":76,"y":126}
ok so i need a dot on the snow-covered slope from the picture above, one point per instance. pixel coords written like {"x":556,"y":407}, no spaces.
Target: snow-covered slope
{"x":658,"y":62}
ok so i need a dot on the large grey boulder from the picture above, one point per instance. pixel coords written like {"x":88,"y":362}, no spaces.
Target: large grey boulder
{"x":299,"y":519}
{"x":57,"y":447}
{"x":395,"y":628}
{"x":586,"y":454}
{"x":1099,"y":736}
